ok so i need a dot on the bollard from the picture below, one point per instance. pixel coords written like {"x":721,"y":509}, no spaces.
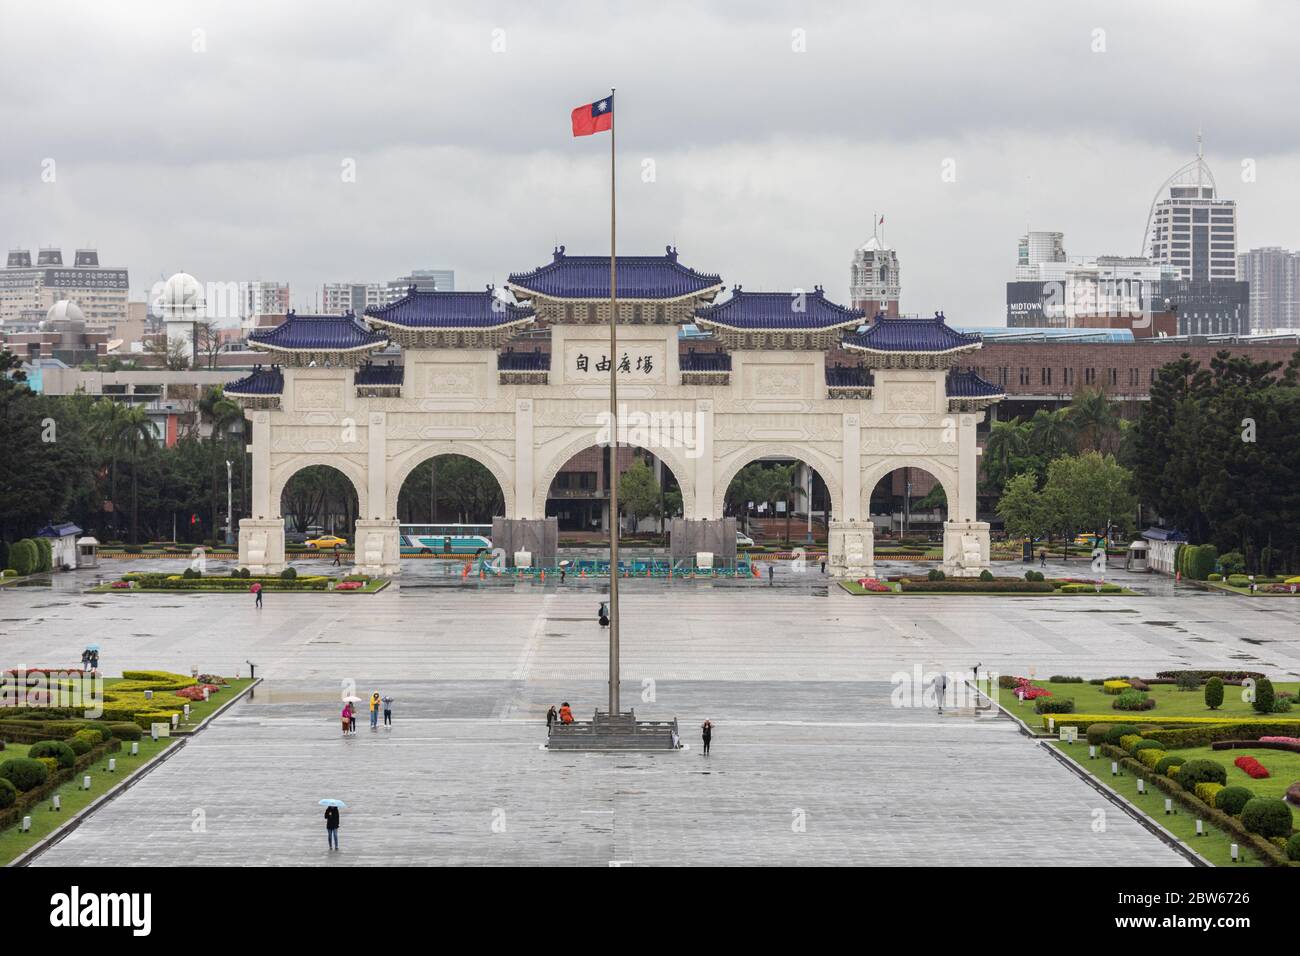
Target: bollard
{"x":1142,"y":788}
{"x":1200,"y":828}
{"x":27,"y":824}
{"x":135,"y":747}
{"x":1114,"y":769}
{"x":153,"y":730}
{"x":112,"y":765}
{"x":1092,"y":752}
{"x":1051,"y":725}
{"x":55,"y":803}
{"x":206,"y":693}
{"x":1169,"y":806}
{"x":85,"y":782}
{"x":187,"y":713}
{"x":176,"y":719}
{"x":1235,"y":854}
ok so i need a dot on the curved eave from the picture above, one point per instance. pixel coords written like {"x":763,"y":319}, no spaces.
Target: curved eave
{"x":525,"y":293}
{"x":316,"y":349}
{"x":968,"y":347}
{"x":463,"y":329}
{"x":250,"y":395}
{"x":779,"y":330}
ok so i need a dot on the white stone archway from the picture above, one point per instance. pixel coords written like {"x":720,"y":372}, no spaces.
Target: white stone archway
{"x":945,"y":474}
{"x":546,"y":470}
{"x":808,"y":455}
{"x":401,"y":466}
{"x":284,"y":470}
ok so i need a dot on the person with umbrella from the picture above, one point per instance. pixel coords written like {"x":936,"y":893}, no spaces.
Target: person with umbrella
{"x":257,"y":591}
{"x":332,"y":808}
{"x":350,"y":715}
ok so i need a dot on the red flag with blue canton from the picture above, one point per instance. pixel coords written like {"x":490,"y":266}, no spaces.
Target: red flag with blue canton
{"x":594,"y":117}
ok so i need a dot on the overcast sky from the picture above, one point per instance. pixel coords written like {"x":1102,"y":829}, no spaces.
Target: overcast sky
{"x":213,"y":137}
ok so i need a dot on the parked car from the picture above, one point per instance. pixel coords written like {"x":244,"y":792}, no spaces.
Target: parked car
{"x":743,"y":540}
{"x":295,"y":537}
{"x":327,"y":541}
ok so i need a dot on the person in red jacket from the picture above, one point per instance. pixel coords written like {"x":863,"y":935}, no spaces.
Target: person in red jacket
{"x":566,"y":713}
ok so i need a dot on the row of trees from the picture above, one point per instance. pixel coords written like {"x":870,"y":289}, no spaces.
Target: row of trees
{"x":98,"y":463}
{"x":767,"y":483}
{"x":1080,"y":493}
{"x":1218,"y":455}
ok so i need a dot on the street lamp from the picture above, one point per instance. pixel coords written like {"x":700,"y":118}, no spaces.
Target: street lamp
{"x":229,"y":501}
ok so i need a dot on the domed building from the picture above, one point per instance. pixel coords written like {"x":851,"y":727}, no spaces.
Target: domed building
{"x":66,"y":312}
{"x":181,"y":305}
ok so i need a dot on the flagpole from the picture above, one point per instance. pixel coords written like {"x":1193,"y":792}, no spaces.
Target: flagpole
{"x":613,"y":414}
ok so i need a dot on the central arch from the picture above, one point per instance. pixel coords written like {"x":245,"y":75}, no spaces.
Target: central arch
{"x":683,"y":470}
{"x":828,"y":469}
{"x":284,"y":470}
{"x":944,"y":474}
{"x":402,"y":465}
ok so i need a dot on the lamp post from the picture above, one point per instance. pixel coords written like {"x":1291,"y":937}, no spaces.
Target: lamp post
{"x":230,"y":501}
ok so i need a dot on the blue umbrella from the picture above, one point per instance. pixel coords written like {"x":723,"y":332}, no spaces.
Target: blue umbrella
{"x":331,"y":802}
{"x":92,"y":647}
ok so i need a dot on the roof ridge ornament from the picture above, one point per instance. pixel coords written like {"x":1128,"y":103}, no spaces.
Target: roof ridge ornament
{"x":671,"y":252}
{"x":558,"y":254}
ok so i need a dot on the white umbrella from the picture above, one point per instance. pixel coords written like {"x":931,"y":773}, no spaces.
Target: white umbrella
{"x":351,"y":700}
{"x":331,"y":802}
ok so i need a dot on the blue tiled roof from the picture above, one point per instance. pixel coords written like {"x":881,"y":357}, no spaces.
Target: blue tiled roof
{"x":263,"y":381}
{"x":449,"y":310}
{"x":58,"y":530}
{"x":693,"y":361}
{"x":968,"y":384}
{"x":1164,"y":534}
{"x":378,"y":375}
{"x":319,"y":333}
{"x":779,"y":310}
{"x":534,"y":361}
{"x":911,"y":335}
{"x":848,"y":376}
{"x":639,"y":277}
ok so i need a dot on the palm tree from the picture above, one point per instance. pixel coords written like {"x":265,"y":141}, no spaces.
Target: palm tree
{"x":1050,"y":434}
{"x":781,"y":483}
{"x":1093,"y":418}
{"x":1004,"y":451}
{"x":220,"y":412}
{"x":107,"y":419}
{"x":133,"y":432}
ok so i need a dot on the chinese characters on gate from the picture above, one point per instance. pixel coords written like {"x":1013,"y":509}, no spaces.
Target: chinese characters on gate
{"x":644,"y":364}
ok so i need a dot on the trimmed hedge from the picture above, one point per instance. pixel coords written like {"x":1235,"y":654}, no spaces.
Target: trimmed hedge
{"x":1208,"y":792}
{"x":1116,"y":731}
{"x":8,"y":794}
{"x":1167,"y":761}
{"x":975,"y":585}
{"x":23,"y":557}
{"x":1233,"y":799}
{"x":1267,"y":816}
{"x":1201,"y":771}
{"x":1265,"y":698}
{"x":62,"y":753}
{"x":25,"y":773}
{"x":1214,"y":693}
{"x":1054,"y":705}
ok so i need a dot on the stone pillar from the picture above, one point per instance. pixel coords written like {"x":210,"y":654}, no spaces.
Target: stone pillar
{"x":851,"y":472}
{"x":967,"y":471}
{"x":965,"y":548}
{"x":377,"y":548}
{"x":851,"y":549}
{"x":263,"y":506}
{"x":377,"y":466}
{"x":524,"y":455}
{"x":261,"y":545}
{"x":702,"y":456}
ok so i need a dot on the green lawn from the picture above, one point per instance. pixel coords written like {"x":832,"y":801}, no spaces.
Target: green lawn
{"x":13,"y":750}
{"x":1170,"y":702}
{"x":1284,"y":767}
{"x":1225,"y":586}
{"x":1214,"y":845}
{"x":45,"y":821}
{"x":854,"y":588}
{"x":370,"y":587}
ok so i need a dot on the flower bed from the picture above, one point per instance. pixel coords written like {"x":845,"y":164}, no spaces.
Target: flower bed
{"x":1252,"y":767}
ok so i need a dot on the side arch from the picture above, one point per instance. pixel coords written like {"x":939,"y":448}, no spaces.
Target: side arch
{"x":828,"y":468}
{"x":286,"y":468}
{"x":945,"y":474}
{"x":681,"y":468}
{"x":401,"y":466}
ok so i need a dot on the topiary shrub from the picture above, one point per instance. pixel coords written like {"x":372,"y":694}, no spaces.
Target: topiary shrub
{"x":1054,"y":705}
{"x":8,"y":794}
{"x":1167,"y":761}
{"x":125,"y":730}
{"x":986,"y":575}
{"x":1214,"y":693}
{"x":1207,"y":793}
{"x":1115,"y":731}
{"x":288,"y":574}
{"x":1133,"y":700}
{"x":935,"y":575}
{"x":1202,"y":562}
{"x":1151,"y":756}
{"x":1201,"y":771}
{"x":1265,"y":697}
{"x":1267,"y":816}
{"x":1144,"y":744}
{"x":83,"y":741}
{"x":1293,"y":848}
{"x":1187,"y":680}
{"x":1216,"y":576}
{"x":23,"y":557}
{"x":1096,"y":733}
{"x":58,"y":749}
{"x":1231,"y":800}
{"x":1232,"y":563}
{"x":24,"y":773}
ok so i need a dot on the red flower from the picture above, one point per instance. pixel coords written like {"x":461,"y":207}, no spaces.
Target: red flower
{"x":1252,"y":767}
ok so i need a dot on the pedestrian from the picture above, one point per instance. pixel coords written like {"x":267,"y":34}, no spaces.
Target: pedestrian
{"x":823,"y":565}
{"x":332,"y":827}
{"x":94,"y":661}
{"x":337,"y":558}
{"x":771,"y":570}
{"x":561,"y":574}
{"x":374,"y":710}
{"x":388,"y":711}
{"x":347,"y":718}
{"x":940,"y":688}
{"x":603,"y":614}
{"x":257,"y":592}
{"x":566,"y":713}
{"x":706,"y":731}
{"x":551,"y":716}
{"x":1042,"y":558}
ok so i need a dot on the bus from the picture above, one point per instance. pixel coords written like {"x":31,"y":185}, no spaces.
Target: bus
{"x":445,"y":538}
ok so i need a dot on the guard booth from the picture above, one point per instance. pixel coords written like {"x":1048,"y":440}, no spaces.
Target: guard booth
{"x":1136,"y":559}
{"x":1027,"y":551}
{"x":87,"y":552}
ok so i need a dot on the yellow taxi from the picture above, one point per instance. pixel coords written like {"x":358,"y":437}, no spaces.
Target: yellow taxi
{"x":328,"y":542}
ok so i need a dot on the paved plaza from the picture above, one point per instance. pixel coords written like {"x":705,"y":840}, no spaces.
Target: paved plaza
{"x":796,"y":675}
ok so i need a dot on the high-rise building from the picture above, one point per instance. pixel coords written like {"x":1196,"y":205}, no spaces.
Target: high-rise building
{"x":356,"y":297}
{"x":264,"y":298}
{"x":1192,"y":229}
{"x":874,"y":284}
{"x":1037,"y":248}
{"x":27,"y":292}
{"x":1274,"y":277}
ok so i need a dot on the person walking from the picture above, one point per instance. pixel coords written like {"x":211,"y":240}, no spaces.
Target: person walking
{"x":1042,"y":558}
{"x":771,"y":571}
{"x":388,"y":711}
{"x":337,"y":557}
{"x":603,"y":614}
{"x":374,"y":710}
{"x":347,"y":718}
{"x":940,"y":689}
{"x":706,"y":732}
{"x":551,"y":716}
{"x":257,"y":593}
{"x":332,"y":827}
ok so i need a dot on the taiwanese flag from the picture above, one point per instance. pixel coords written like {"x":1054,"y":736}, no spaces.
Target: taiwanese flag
{"x":594,"y":117}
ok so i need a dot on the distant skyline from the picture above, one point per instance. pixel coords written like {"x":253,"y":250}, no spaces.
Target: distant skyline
{"x":759,"y":140}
